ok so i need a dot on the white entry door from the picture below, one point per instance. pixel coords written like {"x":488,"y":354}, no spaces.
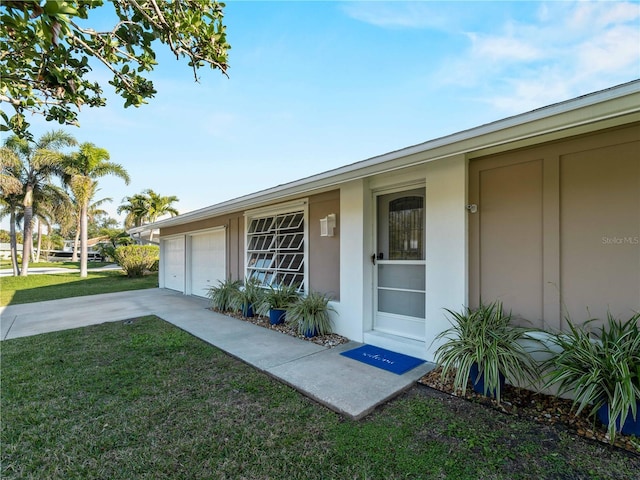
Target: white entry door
{"x":399,"y":272}
{"x":208,"y":261}
{"x":173,"y":263}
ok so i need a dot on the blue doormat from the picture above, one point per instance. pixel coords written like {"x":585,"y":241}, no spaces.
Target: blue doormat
{"x":382,"y":358}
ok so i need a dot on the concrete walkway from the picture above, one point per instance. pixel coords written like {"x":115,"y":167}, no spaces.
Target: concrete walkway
{"x":346,"y":386}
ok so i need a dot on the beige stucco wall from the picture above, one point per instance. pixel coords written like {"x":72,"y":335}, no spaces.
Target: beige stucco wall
{"x":324,"y":252}
{"x":557,"y":231}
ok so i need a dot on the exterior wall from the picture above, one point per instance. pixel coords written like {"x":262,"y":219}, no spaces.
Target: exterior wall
{"x":324,"y":252}
{"x":352,"y":310}
{"x":234,"y":242}
{"x":557,"y":230}
{"x":557,"y":224}
{"x":600,"y":231}
{"x":446,"y":244}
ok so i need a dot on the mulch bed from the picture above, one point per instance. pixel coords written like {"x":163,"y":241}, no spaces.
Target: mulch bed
{"x":546,"y":409}
{"x":331,"y":340}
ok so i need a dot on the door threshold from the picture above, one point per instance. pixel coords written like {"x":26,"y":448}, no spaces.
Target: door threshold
{"x":408,"y":346}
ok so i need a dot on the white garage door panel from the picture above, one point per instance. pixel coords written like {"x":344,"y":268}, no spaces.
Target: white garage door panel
{"x":207,"y":261}
{"x":174,"y":264}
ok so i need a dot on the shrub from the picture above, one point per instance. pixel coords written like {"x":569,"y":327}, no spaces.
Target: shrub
{"x":136,"y":259}
{"x":247,"y":297}
{"x":281,"y":297}
{"x":486,"y":338}
{"x":602,"y":371}
{"x":223,"y":294}
{"x":311,"y":314}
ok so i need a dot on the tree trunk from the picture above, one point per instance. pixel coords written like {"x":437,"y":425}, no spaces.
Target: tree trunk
{"x":84,"y":249}
{"x":13,"y":242}
{"x":37,"y":257}
{"x":76,"y":240}
{"x":48,"y":243}
{"x":27,"y":236}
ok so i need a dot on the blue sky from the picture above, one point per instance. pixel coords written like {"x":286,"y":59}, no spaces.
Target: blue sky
{"x":316,"y":85}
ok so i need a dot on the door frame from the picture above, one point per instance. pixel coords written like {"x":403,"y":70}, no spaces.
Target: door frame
{"x":375,"y":194}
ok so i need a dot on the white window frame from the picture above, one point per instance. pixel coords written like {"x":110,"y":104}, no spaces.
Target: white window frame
{"x":300,"y":206}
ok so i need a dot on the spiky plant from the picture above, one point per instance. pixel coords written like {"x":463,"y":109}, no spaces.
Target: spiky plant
{"x":278,"y":297}
{"x":248,"y":296}
{"x":311,"y":314}
{"x":600,"y":369}
{"x":222,"y":295}
{"x":485,"y":336}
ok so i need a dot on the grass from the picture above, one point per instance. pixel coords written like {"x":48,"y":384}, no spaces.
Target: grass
{"x":143,"y":399}
{"x":6,"y":264}
{"x":37,"y":288}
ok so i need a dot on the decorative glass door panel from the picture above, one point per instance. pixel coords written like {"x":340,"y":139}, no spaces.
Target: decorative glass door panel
{"x":399,"y":272}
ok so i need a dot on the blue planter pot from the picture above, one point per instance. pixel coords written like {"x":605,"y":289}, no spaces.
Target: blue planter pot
{"x":478,"y":383}
{"x":310,"y":333}
{"x":247,"y":311}
{"x":630,"y":427}
{"x":277,"y":316}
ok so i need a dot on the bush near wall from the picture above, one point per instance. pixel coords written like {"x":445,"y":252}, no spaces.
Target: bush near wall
{"x":136,"y":259}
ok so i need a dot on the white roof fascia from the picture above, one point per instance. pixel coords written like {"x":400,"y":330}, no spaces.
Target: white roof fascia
{"x":613,"y":104}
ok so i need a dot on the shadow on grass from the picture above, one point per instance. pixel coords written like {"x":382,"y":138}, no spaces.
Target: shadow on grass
{"x":39,"y":288}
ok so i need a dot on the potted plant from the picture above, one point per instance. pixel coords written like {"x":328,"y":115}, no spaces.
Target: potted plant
{"x":601,"y":371}
{"x":483,"y":346}
{"x":311,"y":314}
{"x":222,"y":295}
{"x":248,"y":297}
{"x":275,"y":302}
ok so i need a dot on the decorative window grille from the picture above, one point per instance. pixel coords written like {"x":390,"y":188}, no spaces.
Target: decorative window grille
{"x":275,"y":250}
{"x":406,"y":230}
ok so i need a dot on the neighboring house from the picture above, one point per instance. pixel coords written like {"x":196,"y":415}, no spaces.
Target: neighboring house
{"x":143,"y":236}
{"x":5,"y":250}
{"x":540,"y":211}
{"x":66,"y":253}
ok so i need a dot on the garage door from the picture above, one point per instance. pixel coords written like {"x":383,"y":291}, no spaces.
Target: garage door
{"x":207,"y":261}
{"x":173,"y":263}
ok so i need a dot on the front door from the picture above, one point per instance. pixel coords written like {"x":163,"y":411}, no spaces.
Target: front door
{"x":399,"y":259}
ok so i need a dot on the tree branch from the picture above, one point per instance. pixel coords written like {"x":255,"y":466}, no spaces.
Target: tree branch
{"x":96,"y":54}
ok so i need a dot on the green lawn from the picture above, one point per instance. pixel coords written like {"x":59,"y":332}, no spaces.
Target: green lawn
{"x":36,"y":288}
{"x":7,"y":264}
{"x":143,"y":399}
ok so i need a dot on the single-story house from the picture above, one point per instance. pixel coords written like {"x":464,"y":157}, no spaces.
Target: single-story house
{"x":540,"y":211}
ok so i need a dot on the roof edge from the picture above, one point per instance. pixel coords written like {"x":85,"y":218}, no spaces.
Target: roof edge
{"x":350,"y":171}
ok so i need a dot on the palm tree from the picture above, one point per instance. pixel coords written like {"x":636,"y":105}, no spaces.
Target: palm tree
{"x":158,"y":206}
{"x":81,"y":171}
{"x":51,"y":205}
{"x":9,"y":206}
{"x":147,"y":207}
{"x":136,"y":209}
{"x":93,"y":211}
{"x":11,"y":189}
{"x":39,"y":161}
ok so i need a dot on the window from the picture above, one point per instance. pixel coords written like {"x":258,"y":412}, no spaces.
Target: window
{"x":275,"y":249}
{"x":406,"y":228}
